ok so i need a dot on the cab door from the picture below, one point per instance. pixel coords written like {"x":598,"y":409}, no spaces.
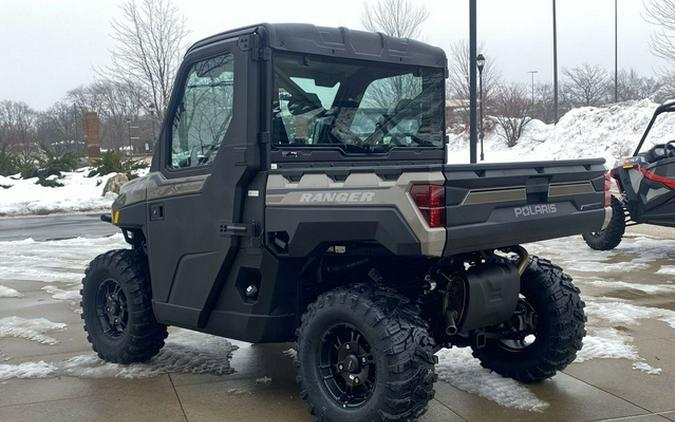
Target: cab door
{"x":195,"y":204}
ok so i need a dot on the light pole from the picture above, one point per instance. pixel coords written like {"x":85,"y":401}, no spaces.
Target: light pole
{"x":480,"y":64}
{"x":555,"y":65}
{"x":152,"y":117}
{"x":129,"y":130}
{"x":473,"y":41}
{"x":533,"y":72}
{"x":616,"y":51}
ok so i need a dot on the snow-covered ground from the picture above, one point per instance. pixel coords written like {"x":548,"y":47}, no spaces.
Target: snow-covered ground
{"x":79,"y":193}
{"x":639,"y":266}
{"x":609,"y":132}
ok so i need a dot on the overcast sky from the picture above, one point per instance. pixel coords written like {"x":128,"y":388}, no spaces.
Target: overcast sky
{"x":50,"y":46}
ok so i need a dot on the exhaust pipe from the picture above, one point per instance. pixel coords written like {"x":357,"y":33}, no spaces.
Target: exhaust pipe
{"x":450,"y":323}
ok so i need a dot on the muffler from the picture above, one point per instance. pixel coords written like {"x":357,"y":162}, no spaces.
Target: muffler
{"x":490,"y":297}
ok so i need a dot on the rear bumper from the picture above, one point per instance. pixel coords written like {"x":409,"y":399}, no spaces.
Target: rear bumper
{"x":504,"y":228}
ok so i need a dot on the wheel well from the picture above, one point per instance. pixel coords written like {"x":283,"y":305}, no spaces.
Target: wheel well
{"x":347,"y":265}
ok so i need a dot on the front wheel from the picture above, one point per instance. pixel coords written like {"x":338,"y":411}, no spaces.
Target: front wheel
{"x":117,"y":308}
{"x":546,"y":332}
{"x":365,"y":354}
{"x":610,"y":237}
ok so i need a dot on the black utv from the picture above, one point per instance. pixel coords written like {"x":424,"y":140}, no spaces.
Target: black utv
{"x":646,"y":186}
{"x":299,"y":193}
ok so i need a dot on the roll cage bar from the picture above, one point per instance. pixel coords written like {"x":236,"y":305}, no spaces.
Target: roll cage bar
{"x":667,"y":107}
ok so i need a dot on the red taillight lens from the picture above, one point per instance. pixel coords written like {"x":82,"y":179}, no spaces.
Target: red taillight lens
{"x":608,"y":190}
{"x":430,"y":200}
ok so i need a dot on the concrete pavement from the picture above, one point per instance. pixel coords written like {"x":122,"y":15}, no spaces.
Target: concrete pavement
{"x":262,"y":386}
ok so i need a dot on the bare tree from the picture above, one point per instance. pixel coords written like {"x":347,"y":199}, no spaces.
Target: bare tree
{"x":543,"y":107}
{"x":512,"y":109}
{"x":585,"y":85}
{"x":17,"y":127}
{"x":457,"y":84}
{"x":115,"y":102}
{"x":150,"y":41}
{"x":633,"y":86}
{"x":662,"y":13}
{"x":60,"y":128}
{"x":397,"y":18}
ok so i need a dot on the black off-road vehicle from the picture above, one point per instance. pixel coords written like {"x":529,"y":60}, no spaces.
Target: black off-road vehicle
{"x":298,"y":192}
{"x":646,"y":185}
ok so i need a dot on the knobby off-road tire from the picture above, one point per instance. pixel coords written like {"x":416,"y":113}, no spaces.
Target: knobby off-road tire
{"x":391,"y":338}
{"x":560,"y":327}
{"x":117,"y":309}
{"x":610,"y":237}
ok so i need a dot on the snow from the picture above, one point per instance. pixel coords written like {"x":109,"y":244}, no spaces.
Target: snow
{"x":26,"y":370}
{"x":620,"y":312}
{"x":646,"y":288}
{"x":30,"y":329}
{"x":57,"y":261}
{"x":588,"y":132}
{"x":646,"y":368}
{"x":185,"y":351}
{"x":9,"y":292}
{"x":79,"y":193}
{"x":61,"y":294}
{"x":459,"y":368}
{"x":667,"y":270}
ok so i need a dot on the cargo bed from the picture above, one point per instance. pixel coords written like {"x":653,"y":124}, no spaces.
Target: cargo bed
{"x":501,"y":204}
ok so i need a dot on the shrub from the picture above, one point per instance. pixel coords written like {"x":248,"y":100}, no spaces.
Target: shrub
{"x":114,"y":162}
{"x":9,"y":163}
{"x":48,"y":164}
{"x":49,"y":183}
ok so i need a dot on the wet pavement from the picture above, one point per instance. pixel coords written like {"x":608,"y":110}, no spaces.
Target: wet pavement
{"x":626,"y":370}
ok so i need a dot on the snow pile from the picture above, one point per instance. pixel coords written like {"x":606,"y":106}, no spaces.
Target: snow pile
{"x":79,"y":193}
{"x":8,"y":292}
{"x":611,"y":133}
{"x":459,"y":368}
{"x":30,"y":329}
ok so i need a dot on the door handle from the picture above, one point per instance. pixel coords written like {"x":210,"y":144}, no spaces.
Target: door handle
{"x":231,"y":229}
{"x":156,"y":212}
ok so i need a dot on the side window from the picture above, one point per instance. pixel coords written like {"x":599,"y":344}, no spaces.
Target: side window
{"x":204,"y":112}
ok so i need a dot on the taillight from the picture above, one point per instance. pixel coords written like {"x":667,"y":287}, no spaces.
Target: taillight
{"x":430,"y":200}
{"x":608,"y":190}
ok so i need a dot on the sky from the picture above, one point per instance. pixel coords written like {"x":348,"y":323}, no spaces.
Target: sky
{"x":48,"y":47}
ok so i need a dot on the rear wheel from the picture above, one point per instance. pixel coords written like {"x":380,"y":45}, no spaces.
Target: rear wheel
{"x":611,"y":236}
{"x":117,"y":309}
{"x":364,"y":354}
{"x":546,"y":331}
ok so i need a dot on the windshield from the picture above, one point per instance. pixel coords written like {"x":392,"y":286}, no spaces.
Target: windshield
{"x":357,"y":106}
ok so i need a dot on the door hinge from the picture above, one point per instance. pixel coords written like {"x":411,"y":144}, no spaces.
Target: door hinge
{"x":244,"y":42}
{"x":263,"y":54}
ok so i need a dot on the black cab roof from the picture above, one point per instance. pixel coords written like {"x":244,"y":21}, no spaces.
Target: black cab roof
{"x":337,"y":42}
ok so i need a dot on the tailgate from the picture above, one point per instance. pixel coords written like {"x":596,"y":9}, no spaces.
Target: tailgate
{"x":497,"y":205}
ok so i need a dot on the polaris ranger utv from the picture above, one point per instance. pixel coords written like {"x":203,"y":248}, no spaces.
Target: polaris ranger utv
{"x":299,"y":192}
{"x":646,"y":184}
